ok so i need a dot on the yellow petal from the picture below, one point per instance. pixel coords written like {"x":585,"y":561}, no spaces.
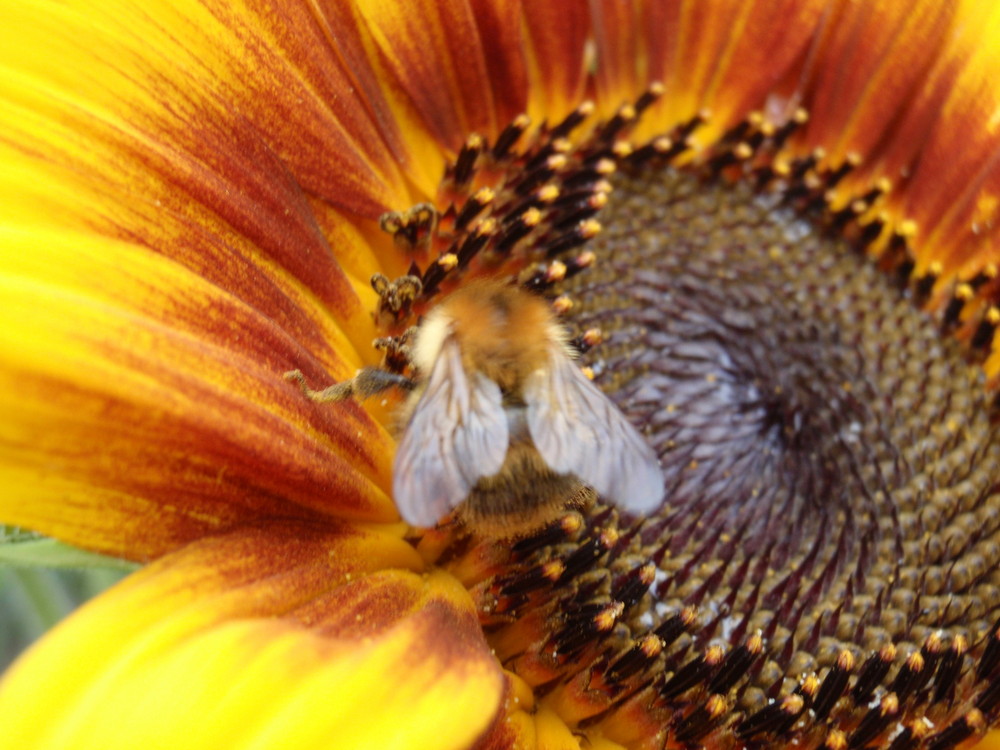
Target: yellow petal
{"x":276,"y":636}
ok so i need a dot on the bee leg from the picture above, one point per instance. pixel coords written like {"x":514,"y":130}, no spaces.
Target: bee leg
{"x":369,"y":381}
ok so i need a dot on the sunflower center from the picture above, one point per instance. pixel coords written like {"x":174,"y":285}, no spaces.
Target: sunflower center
{"x":831,"y":525}
{"x":808,"y":417}
{"x":823,"y":566}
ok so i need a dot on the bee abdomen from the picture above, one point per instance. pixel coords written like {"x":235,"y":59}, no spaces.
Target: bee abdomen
{"x":523,"y":496}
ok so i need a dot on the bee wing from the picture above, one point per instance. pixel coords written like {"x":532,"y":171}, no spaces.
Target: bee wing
{"x":457,"y":433}
{"x":577,"y":430}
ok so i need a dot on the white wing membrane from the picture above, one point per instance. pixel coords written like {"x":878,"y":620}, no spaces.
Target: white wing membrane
{"x":577,"y":430}
{"x":456,"y":434}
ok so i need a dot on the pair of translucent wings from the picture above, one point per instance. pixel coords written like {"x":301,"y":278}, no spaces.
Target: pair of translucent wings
{"x":459,"y":432}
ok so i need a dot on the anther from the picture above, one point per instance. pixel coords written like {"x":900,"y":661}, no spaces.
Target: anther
{"x":991,"y":653}
{"x":660,"y":149}
{"x":650,"y":95}
{"x":572,"y":120}
{"x":625,"y":115}
{"x":589,"y":174}
{"x":832,"y":178}
{"x":872,"y":230}
{"x":693,"y":673}
{"x":702,"y":720}
{"x":465,"y":164}
{"x":834,"y":740}
{"x":910,"y":737}
{"x":476,"y":241}
{"x":912,"y":676}
{"x":874,"y":670}
{"x":522,"y":224}
{"x":587,"y":340}
{"x":562,"y":305}
{"x":541,"y":576}
{"x":925,"y":284}
{"x":834,"y":684}
{"x":586,"y":208}
{"x":578,"y":263}
{"x":958,"y":731}
{"x":532,"y":179}
{"x":774,"y":719}
{"x":509,"y":136}
{"x":874,"y":722}
{"x":565,"y":528}
{"x":983,"y":337}
{"x":474,"y":206}
{"x":583,"y":626}
{"x":549,"y":148}
{"x":638,"y":658}
{"x":584,"y":231}
{"x":799,"y":118}
{"x":631,"y":587}
{"x":951,"y":665}
{"x":736,"y":665}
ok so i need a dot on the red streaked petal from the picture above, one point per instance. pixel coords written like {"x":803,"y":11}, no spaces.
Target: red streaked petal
{"x":433,"y":55}
{"x":502,"y":38}
{"x":556,"y":38}
{"x":279,"y":635}
{"x":144,"y":406}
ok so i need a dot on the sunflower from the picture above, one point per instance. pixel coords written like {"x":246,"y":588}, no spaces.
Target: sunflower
{"x":770,"y":228}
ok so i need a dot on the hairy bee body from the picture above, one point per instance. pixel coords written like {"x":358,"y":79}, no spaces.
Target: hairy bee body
{"x":504,"y":427}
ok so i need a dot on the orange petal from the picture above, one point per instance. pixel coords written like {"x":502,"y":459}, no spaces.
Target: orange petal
{"x":556,"y":41}
{"x":435,"y":66}
{"x":277,"y":635}
{"x":163,"y":266}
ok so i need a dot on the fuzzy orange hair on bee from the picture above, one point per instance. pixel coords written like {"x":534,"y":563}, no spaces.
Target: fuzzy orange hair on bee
{"x":501,"y":424}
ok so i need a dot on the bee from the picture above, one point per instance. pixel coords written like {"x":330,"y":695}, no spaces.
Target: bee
{"x":501,"y":425}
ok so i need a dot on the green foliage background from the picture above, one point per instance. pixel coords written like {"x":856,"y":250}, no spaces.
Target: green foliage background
{"x":41,"y":582}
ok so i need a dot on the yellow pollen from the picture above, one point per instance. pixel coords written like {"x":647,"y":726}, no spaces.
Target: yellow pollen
{"x":448,"y":261}
{"x":607,"y":618}
{"x":547,"y":193}
{"x":889,"y":705}
{"x":553,"y":570}
{"x":561,"y":145}
{"x":588,"y":372}
{"x":562,"y":305}
{"x":716,"y":706}
{"x":605,"y":166}
{"x":589,"y":228}
{"x":531,"y":217}
{"x":557,"y":161}
{"x":593,"y":336}
{"x":556,"y":271}
{"x":621,"y":149}
{"x":486,"y":226}
{"x":836,"y":740}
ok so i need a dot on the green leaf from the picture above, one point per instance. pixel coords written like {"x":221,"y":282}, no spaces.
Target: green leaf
{"x":36,"y":552}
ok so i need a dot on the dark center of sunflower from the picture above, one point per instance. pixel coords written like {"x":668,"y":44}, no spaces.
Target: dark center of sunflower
{"x":829,"y":541}
{"x":811,"y":422}
{"x":823,"y":570}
